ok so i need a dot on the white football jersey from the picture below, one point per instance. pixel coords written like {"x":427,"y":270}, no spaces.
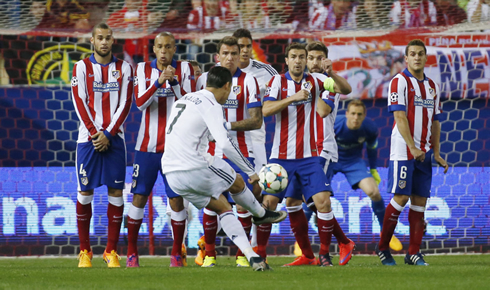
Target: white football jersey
{"x":193,"y":119}
{"x":263,"y":73}
{"x":327,"y":145}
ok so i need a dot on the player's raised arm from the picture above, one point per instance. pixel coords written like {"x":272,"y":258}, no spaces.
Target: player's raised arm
{"x":125,"y":99}
{"x":254,"y":108}
{"x":79,"y":93}
{"x":143,"y":95}
{"x":340,"y":85}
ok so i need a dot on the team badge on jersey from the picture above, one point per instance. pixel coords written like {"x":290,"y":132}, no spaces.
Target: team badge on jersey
{"x":307,"y":86}
{"x":237,"y":90}
{"x":402,"y":184}
{"x":133,"y":185}
{"x":432,"y":92}
{"x":116,"y":74}
{"x":84,"y":180}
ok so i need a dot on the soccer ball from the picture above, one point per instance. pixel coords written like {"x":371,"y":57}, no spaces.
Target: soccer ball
{"x":273,"y":178}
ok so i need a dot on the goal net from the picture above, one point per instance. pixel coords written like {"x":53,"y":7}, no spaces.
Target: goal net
{"x":41,"y":40}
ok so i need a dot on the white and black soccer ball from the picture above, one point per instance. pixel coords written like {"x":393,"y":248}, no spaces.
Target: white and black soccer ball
{"x":273,"y":178}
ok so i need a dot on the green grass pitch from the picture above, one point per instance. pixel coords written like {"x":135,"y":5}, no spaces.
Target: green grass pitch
{"x":363,"y":272}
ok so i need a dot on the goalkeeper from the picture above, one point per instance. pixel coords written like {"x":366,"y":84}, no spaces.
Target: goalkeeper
{"x":351,"y":132}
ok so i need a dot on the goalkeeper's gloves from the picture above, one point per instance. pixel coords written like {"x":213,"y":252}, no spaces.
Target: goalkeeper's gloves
{"x":376,"y":176}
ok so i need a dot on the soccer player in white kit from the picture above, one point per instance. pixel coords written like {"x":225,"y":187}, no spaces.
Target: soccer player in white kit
{"x":201,"y":178}
{"x":243,"y":113}
{"x":263,"y":73}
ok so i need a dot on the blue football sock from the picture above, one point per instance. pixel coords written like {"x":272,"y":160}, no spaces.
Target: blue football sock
{"x":379,"y":210}
{"x":308,"y":212}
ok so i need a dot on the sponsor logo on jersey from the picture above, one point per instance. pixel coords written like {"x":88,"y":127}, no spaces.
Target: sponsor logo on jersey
{"x":74,"y":81}
{"x":237,"y":90}
{"x":427,"y":103}
{"x":164,"y":92}
{"x":231,"y":104}
{"x":100,"y":87}
{"x":297,"y":103}
{"x":116,"y":74}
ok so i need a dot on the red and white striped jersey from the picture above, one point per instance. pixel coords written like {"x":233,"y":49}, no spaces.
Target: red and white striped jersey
{"x":421,"y":102}
{"x":327,"y":145}
{"x":102,"y":96}
{"x":244,"y":95}
{"x":155,"y":101}
{"x":404,"y":15}
{"x":199,"y":19}
{"x":295,"y":130}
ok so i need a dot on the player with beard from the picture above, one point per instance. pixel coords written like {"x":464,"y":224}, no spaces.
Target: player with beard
{"x":102,"y":89}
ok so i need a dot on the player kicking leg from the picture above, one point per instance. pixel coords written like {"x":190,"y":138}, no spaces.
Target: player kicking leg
{"x":201,"y":178}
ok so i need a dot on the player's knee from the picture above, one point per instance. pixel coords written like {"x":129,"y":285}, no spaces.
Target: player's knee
{"x":401,"y":199}
{"x":373,"y":193}
{"x":87,"y":193}
{"x":322,"y":201}
{"x":238,"y":185}
{"x":177,"y":204}
{"x":270,"y":202}
{"x":114,"y":192}
{"x":140,"y":200}
{"x":293,"y":202}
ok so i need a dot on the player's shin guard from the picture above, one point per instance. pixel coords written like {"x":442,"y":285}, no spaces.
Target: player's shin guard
{"x":416,"y":220}
{"x":263,"y":234}
{"x":247,"y":200}
{"x":135,"y":218}
{"x":379,"y":210}
{"x":178,"y":229}
{"x":115,"y":211}
{"x":84,"y":214}
{"x":235,"y":232}
{"x":390,"y":221}
{"x":326,"y":226}
{"x":299,"y":226}
{"x":210,"y":224}
{"x":245,"y":218}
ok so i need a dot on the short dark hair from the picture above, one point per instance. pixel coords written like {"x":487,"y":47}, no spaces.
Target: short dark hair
{"x":218,"y":76}
{"x":296,"y":45}
{"x":193,"y":62}
{"x":415,"y":42}
{"x":101,"y":25}
{"x":242,"y":32}
{"x":317,"y":46}
{"x":166,"y":34}
{"x":228,"y":40}
{"x":357,"y":103}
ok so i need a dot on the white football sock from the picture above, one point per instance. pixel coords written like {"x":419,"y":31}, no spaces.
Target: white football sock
{"x":136,"y":213}
{"x":234,"y":230}
{"x":247,"y":200}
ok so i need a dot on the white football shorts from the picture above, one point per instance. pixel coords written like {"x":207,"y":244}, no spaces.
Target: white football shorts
{"x":198,"y":186}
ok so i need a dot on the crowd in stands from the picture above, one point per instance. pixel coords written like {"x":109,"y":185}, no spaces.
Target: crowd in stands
{"x":208,"y":15}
